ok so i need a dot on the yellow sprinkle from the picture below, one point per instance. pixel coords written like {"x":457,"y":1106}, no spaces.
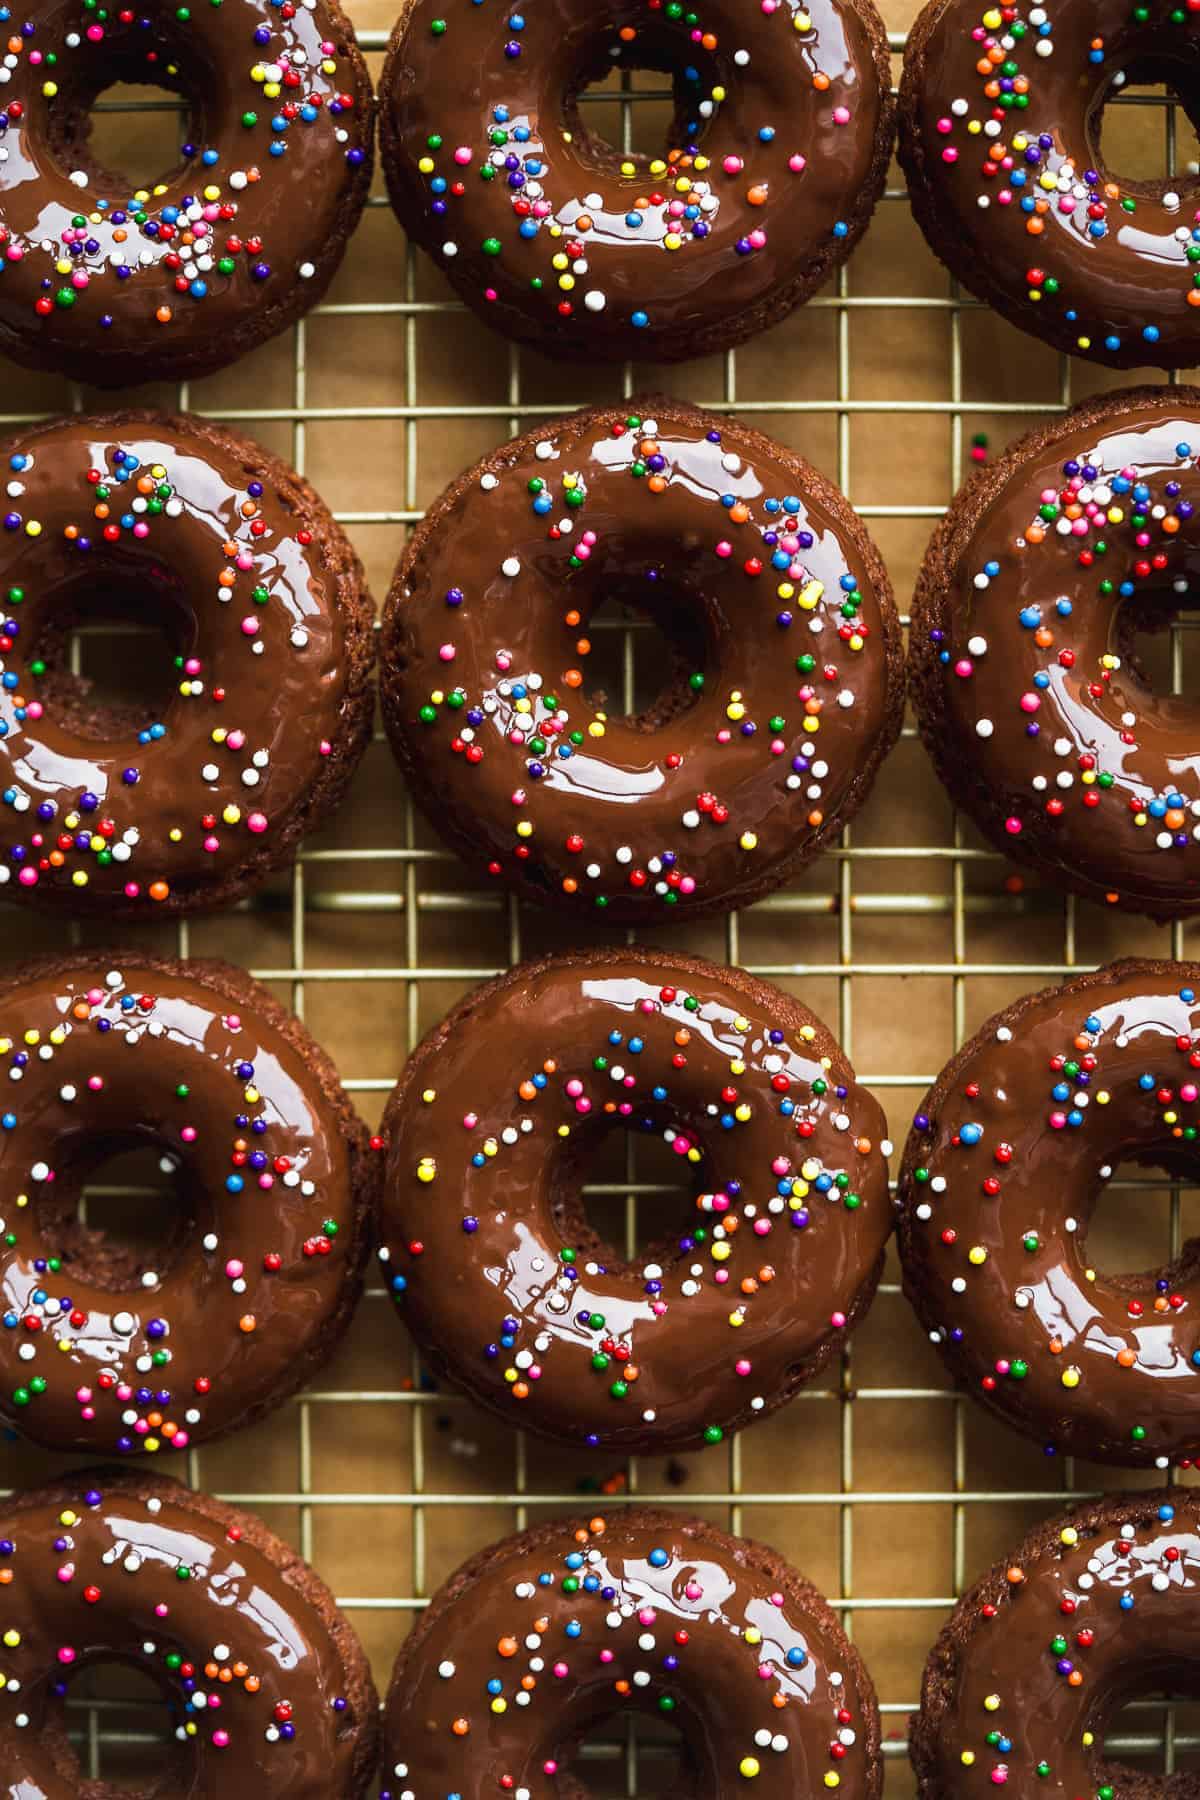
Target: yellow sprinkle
{"x":427,"y":1169}
{"x":1069,"y":1536}
{"x":1070,"y":1377}
{"x":977,"y":1255}
{"x":12,"y":1639}
{"x":429,"y":1095}
{"x":749,"y":840}
{"x":968,"y":1758}
{"x":748,"y":1767}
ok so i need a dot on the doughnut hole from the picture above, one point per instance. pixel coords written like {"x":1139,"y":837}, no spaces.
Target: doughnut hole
{"x":619,"y":108}
{"x":628,"y":1753}
{"x":1162,"y":1191}
{"x":111,"y":647}
{"x":1127,"y":142}
{"x":1150,"y":1733}
{"x":114,"y":1727}
{"x":627,"y":1196}
{"x":638,"y":649}
{"x":142,"y":136}
{"x":117,"y":1209}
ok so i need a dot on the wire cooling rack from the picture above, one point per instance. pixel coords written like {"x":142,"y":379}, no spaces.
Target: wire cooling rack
{"x":909,"y":1491}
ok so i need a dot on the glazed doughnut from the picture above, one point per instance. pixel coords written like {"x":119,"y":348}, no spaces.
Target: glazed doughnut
{"x":252,"y":1287}
{"x":1035,"y":1663}
{"x":1000,"y":111}
{"x":510,"y":1292}
{"x":776,"y":156}
{"x":116,"y":286}
{"x":1031,"y":698}
{"x":784,"y":697}
{"x":1003,"y":1167}
{"x":268,"y":1686}
{"x":647,"y":1610}
{"x":190,"y":797}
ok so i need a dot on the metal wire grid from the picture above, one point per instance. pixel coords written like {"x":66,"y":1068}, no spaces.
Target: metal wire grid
{"x":97,"y":1729}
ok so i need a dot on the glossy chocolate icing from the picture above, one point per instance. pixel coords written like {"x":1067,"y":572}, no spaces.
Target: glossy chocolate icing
{"x":209,"y":538}
{"x":1000,"y":137}
{"x":266,"y":1684}
{"x":1001,"y":1172}
{"x":177,"y":278}
{"x":643,"y":1610}
{"x":776,"y":156}
{"x":1036,"y":1661}
{"x":486,"y":1247}
{"x":196,"y":1060}
{"x":748,"y":764}
{"x":1037,"y":711}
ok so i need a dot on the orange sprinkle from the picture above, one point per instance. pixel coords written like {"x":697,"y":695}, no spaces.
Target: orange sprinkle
{"x":507,"y":1646}
{"x":247,"y":1323}
{"x":460,"y":1727}
{"x":573,"y":678}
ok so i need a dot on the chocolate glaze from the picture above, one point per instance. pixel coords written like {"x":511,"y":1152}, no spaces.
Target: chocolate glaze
{"x":771,"y":176}
{"x":490,"y":1257}
{"x":114,"y":1568}
{"x":1001,"y":1172}
{"x":1030,"y":695}
{"x":97,"y":1351}
{"x":1092,"y":1610}
{"x":1106,"y":270}
{"x":261,"y":598}
{"x":233,"y":243}
{"x":721,"y":790}
{"x":645,"y":1610}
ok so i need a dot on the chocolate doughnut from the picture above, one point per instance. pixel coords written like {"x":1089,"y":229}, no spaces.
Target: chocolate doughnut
{"x":190,"y":797}
{"x":1032,"y":701}
{"x":647,"y":1610}
{"x":1001,"y":1172}
{"x":268,"y":1687}
{"x":114,"y":285}
{"x":1036,"y":1661}
{"x":253,"y":1285}
{"x":1000,"y":112}
{"x":510,"y":1292}
{"x":784,"y":697}
{"x":775,"y":158}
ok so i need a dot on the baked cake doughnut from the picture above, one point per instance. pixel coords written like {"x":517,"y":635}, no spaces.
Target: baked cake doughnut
{"x":1029,"y":691}
{"x":1001,"y":1172}
{"x":776,"y":156}
{"x":116,"y":286}
{"x":648,"y":1610}
{"x":255,"y":1279}
{"x":785,"y":695}
{"x":486,"y":1247}
{"x":268,"y":1687}
{"x":1037,"y":1660}
{"x":1000,"y":110}
{"x":189,"y":797}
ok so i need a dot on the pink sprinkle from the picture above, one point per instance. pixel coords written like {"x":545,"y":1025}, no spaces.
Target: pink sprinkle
{"x":235,"y":740}
{"x":257,"y":822}
{"x":66,"y":1573}
{"x":561,"y":1670}
{"x":220,"y":1739}
{"x":1030,"y":703}
{"x":945,"y":126}
{"x":235,"y":1269}
{"x":66,"y":1655}
{"x":28,"y":877}
{"x":462,"y":155}
{"x":693,"y":1590}
{"x":797,"y":163}
{"x":841,"y":115}
{"x":733,"y":165}
{"x":1013,"y":827}
{"x":964,"y":668}
{"x":95,"y":1083}
{"x":741,"y":1367}
{"x":188,"y":1134}
{"x":724,"y":548}
{"x":249,"y":627}
{"x":446,"y":652}
{"x":837,"y":1320}
{"x":949,"y":154}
